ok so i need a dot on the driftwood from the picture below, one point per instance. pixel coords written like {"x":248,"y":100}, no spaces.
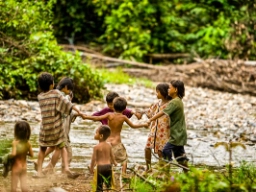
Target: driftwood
{"x":106,"y":62}
{"x":225,"y":75}
{"x":166,"y":56}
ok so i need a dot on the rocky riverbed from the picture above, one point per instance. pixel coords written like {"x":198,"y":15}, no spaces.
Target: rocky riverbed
{"x":211,"y":117}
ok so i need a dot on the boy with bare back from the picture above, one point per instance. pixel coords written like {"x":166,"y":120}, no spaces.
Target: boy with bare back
{"x":103,"y":159}
{"x":115,"y":122}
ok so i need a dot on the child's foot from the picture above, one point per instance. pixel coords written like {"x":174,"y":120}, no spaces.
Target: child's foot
{"x":49,"y":169}
{"x":125,"y":176}
{"x":35,"y":165}
{"x":38,"y":176}
{"x":72,"y":175}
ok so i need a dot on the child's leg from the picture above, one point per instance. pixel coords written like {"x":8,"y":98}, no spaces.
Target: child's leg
{"x":167,"y":151}
{"x":69,"y":153}
{"x":148,"y":158}
{"x":40,"y":160}
{"x":124,"y":167}
{"x":160,"y":154}
{"x":14,"y":180}
{"x":64,"y":156}
{"x":23,"y":181}
{"x":180,"y":155}
{"x":55,"y":157}
{"x":49,"y":150}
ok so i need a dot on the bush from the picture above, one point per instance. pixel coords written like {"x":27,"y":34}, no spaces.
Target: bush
{"x":28,"y":47}
{"x":133,"y":29}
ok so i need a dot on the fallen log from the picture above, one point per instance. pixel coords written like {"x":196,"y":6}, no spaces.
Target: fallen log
{"x":223,"y":75}
{"x":234,"y":76}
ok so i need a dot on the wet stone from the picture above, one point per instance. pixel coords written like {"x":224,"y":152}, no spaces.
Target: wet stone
{"x":211,"y":116}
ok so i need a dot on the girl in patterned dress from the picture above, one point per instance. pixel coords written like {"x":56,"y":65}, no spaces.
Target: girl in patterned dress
{"x":159,"y":130}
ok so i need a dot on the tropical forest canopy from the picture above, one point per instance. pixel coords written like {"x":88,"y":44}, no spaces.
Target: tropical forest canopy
{"x":131,"y":29}
{"x":28,"y":47}
{"x":31,"y":31}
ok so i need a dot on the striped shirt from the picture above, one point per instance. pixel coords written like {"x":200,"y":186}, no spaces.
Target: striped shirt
{"x":53,"y":105}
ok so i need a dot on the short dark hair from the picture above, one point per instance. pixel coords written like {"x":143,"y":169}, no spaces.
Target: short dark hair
{"x":119,"y":104}
{"x":163,"y":89}
{"x":66,"y":81}
{"x":45,"y":80}
{"x":111,"y":96}
{"x":180,"y":87}
{"x":105,"y":131}
{"x":22,"y":130}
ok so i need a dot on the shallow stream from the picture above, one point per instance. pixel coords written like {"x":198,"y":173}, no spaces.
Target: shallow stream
{"x":211,"y":117}
{"x":200,"y":149}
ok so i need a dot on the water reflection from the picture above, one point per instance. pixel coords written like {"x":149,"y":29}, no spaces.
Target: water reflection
{"x":199,"y":149}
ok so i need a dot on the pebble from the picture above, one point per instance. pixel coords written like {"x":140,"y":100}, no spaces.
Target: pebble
{"x":211,"y":117}
{"x":224,"y":114}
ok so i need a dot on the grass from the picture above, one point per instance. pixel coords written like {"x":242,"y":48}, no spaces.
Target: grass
{"x":117,"y":76}
{"x":5,"y":146}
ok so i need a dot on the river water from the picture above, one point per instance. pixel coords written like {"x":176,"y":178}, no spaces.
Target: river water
{"x":200,"y":150}
{"x":209,"y":120}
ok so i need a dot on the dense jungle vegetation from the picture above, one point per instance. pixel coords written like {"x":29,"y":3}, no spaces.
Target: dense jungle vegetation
{"x":131,"y":29}
{"x":30,"y":32}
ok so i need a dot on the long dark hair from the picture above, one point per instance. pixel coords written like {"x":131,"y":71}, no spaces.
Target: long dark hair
{"x":65,"y":81}
{"x":163,"y":89}
{"x":180,"y":87}
{"x":22,"y":131}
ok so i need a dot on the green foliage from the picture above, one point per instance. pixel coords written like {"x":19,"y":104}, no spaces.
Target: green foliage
{"x":197,"y":180}
{"x":140,"y":186}
{"x":201,"y":181}
{"x":29,"y":47}
{"x":244,"y":178}
{"x":5,"y":146}
{"x":117,"y":76}
{"x":132,"y":29}
{"x":76,"y":19}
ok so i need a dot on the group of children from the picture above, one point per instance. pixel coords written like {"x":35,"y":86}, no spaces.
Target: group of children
{"x":166,"y":122}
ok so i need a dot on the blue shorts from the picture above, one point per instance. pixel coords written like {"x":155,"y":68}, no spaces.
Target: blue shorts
{"x":178,"y":151}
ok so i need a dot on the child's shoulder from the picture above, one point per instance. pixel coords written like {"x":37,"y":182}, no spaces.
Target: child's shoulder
{"x":50,"y":93}
{"x":102,"y":144}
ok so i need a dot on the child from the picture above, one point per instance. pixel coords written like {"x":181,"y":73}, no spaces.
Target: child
{"x":178,"y":133}
{"x":109,"y":99}
{"x":21,"y":147}
{"x":103,"y":158}
{"x":159,"y":129}
{"x":66,"y":87}
{"x":115,"y":122}
{"x":53,"y":105}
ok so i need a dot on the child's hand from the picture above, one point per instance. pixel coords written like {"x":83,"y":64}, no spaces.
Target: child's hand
{"x":83,"y":115}
{"x":149,"y":121}
{"x":138,"y":115}
{"x":147,"y":125}
{"x":90,"y":169}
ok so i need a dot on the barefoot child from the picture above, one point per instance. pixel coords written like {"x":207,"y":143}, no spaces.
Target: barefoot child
{"x":178,"y":130}
{"x":66,"y":87}
{"x":53,"y":105}
{"x":159,"y":129}
{"x":21,"y":147}
{"x":109,"y":99}
{"x":115,"y":122}
{"x":103,"y":159}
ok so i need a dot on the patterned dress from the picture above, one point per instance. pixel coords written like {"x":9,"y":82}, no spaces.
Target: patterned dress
{"x":52,"y":105}
{"x":159,"y":129}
